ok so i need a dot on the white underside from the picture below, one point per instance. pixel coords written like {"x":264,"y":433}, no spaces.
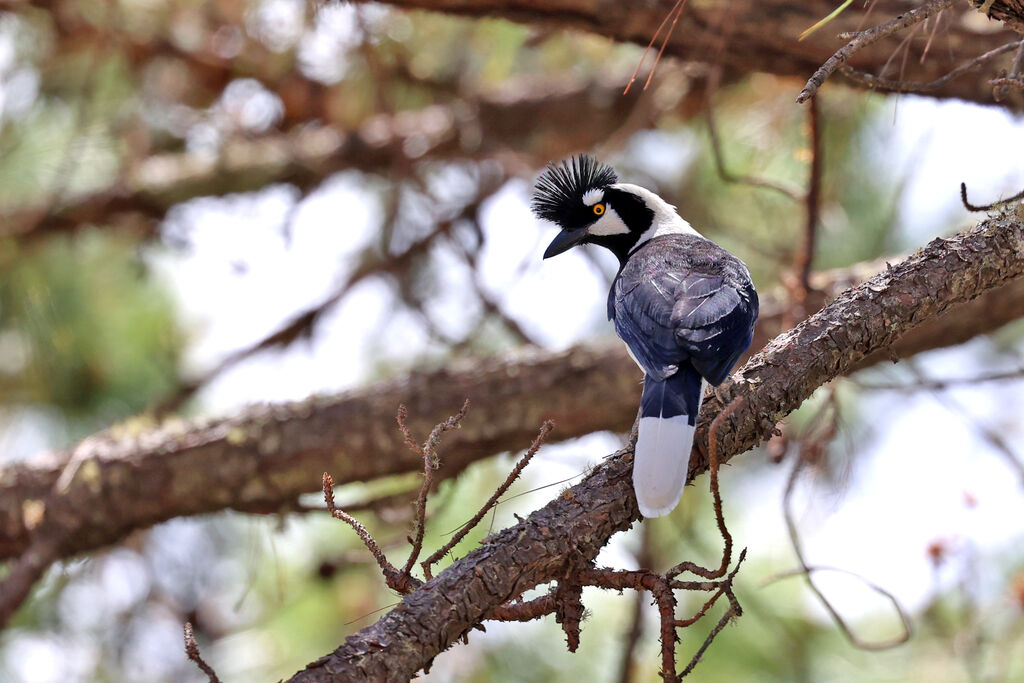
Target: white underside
{"x":661,"y":462}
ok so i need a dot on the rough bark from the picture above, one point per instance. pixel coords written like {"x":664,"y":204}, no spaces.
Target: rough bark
{"x":866,"y":319}
{"x":762,"y":35}
{"x":138,"y":474}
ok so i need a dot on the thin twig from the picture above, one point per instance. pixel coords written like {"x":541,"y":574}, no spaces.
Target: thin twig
{"x":661,"y":26}
{"x":192,"y":650}
{"x":717,"y":501}
{"x":524,"y":611}
{"x":678,"y":10}
{"x":865,"y":38}
{"x":724,"y":173}
{"x":492,"y":501}
{"x":396,"y":580}
{"x":735,"y":610}
{"x":430,"y":463}
{"x":992,"y":436}
{"x":987,"y":207}
{"x":927,"y":86}
{"x":807,"y":572}
{"x":303,"y":323}
{"x":805,"y":256}
{"x":941,"y":384}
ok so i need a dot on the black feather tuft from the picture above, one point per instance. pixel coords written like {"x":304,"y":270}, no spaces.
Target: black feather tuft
{"x":558,"y":195}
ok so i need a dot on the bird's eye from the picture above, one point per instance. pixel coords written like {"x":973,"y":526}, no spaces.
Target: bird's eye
{"x":598,"y":209}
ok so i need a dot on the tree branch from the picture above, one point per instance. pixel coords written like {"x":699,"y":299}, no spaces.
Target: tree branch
{"x":261,"y":460}
{"x":754,"y":37}
{"x":579,"y":522}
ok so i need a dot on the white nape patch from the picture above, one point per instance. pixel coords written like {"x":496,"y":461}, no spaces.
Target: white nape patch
{"x":610,"y":223}
{"x":593,"y":196}
{"x":666,"y":220}
{"x":660,"y":463}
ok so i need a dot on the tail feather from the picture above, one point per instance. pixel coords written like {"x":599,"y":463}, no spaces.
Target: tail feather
{"x":668,"y":419}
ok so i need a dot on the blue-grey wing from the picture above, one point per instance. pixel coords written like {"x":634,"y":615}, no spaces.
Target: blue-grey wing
{"x":642,"y":303}
{"x":713,"y":320}
{"x":685,"y":300}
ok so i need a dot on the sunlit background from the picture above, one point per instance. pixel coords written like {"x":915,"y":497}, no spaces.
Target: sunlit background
{"x":198,"y":107}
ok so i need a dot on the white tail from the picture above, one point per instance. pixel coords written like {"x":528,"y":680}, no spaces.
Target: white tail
{"x":660,"y":463}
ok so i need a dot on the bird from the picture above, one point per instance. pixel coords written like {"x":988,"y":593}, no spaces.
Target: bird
{"x":684,"y":306}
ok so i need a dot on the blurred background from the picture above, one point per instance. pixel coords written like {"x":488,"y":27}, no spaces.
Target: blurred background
{"x":210,"y":203}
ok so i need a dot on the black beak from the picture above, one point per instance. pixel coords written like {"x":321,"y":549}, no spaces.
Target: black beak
{"x":564,"y":241}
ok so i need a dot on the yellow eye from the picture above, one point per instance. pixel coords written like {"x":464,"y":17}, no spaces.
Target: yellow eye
{"x":598,"y":209}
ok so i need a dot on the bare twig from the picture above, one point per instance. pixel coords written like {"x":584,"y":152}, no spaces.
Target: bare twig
{"x":986,"y":207}
{"x":990,"y":435}
{"x":805,"y":256}
{"x":941,"y":384}
{"x":734,"y":611}
{"x":927,"y":86}
{"x":303,"y":323}
{"x":192,"y":650}
{"x":1006,"y":82}
{"x":713,"y":463}
{"x":524,"y":611}
{"x":430,"y":463}
{"x":724,"y":173}
{"x":864,"y":38}
{"x":500,"y":491}
{"x":807,"y":572}
{"x":674,"y":14}
{"x":396,"y":580}
{"x":1013,"y":79}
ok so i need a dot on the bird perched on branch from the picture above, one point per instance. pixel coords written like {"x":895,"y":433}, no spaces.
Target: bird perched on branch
{"x":684,"y":306}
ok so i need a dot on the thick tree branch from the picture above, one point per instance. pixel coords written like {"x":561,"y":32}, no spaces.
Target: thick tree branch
{"x":748,"y":36}
{"x":863,"y":320}
{"x":140,"y":473}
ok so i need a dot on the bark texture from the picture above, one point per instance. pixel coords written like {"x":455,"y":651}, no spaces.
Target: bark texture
{"x":763,"y":35}
{"x":576,"y":524}
{"x":139,"y":473}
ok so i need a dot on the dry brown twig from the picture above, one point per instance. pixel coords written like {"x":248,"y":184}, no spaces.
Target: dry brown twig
{"x":431,"y":462}
{"x":564,"y":600}
{"x":987,"y":207}
{"x":674,"y":14}
{"x":862,"y":39}
{"x":192,"y":650}
{"x":810,"y":452}
{"x":928,"y":86}
{"x":785,"y":189}
{"x":492,"y":501}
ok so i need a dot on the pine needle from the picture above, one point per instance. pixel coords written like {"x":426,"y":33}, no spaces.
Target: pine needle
{"x":835,"y":13}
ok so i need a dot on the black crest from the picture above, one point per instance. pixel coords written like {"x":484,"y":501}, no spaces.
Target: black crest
{"x":558,"y":195}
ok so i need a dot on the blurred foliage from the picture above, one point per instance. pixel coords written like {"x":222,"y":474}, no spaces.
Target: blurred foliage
{"x":86,"y":330}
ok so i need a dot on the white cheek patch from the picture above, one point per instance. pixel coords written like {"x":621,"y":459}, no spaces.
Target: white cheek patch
{"x":608,"y":224}
{"x":593,"y":197}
